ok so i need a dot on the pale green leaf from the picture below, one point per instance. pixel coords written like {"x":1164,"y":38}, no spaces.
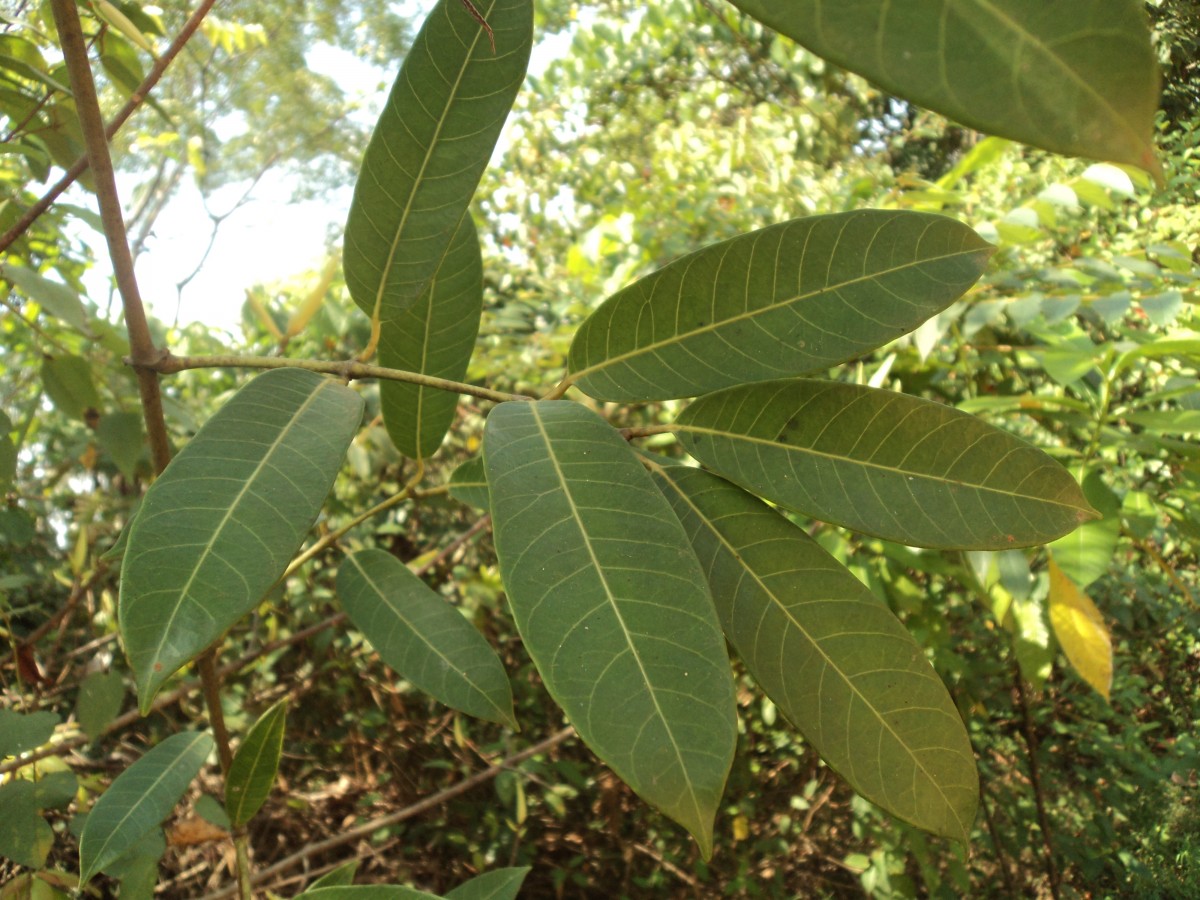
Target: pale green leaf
{"x":255,"y":765}
{"x":885,"y":464}
{"x":140,"y":798}
{"x":612,"y":605}
{"x":25,"y":836}
{"x":219,"y":526}
{"x":342,"y":876}
{"x":787,"y":299}
{"x":499,"y":884}
{"x":120,"y":435}
{"x":1080,"y":80}
{"x":430,"y":147}
{"x":435,"y":336}
{"x":366,"y":892}
{"x":69,"y":385}
{"x":100,"y":699}
{"x":55,"y":298}
{"x":830,"y":656}
{"x":419,"y":635}
{"x":468,"y":484}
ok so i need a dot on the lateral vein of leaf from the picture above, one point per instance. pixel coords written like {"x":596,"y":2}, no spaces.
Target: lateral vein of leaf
{"x":674,"y":339}
{"x":632,"y":649}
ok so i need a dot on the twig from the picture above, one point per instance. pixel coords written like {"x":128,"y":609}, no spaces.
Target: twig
{"x":167,"y":364}
{"x":368,"y":828}
{"x":1036,"y":781}
{"x":80,"y":165}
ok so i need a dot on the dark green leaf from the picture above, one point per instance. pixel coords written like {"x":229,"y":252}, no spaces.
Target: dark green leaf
{"x":885,"y":464}
{"x":8,"y":453}
{"x":468,"y":484}
{"x":787,"y":299}
{"x":830,"y":656}
{"x":342,"y":876}
{"x":366,"y":892}
{"x":100,"y":698}
{"x":219,"y":526}
{"x":435,"y":336}
{"x":499,"y":884}
{"x":419,"y":635}
{"x":255,"y":765}
{"x":430,"y":148}
{"x":69,"y":385}
{"x":612,"y":605}
{"x":1081,"y":81}
{"x":21,"y":732}
{"x":140,"y":798}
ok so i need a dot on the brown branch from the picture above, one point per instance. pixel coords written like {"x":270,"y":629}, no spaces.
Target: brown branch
{"x":369,"y":828}
{"x":80,"y":165}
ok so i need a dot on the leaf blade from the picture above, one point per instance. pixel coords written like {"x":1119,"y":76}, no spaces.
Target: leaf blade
{"x":786,"y":299}
{"x":255,"y":765}
{"x":435,"y":336}
{"x":1079,"y":627}
{"x":422,"y":637}
{"x":139,"y":799}
{"x":498,"y":884}
{"x":810,"y":633}
{"x":220,"y":525}
{"x":429,"y":149}
{"x":1084,"y":84}
{"x":884,"y":464}
{"x":630,"y":647}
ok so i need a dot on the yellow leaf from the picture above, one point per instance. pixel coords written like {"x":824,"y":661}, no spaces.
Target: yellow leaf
{"x":1081,"y":631}
{"x":315,"y":299}
{"x":741,"y":828}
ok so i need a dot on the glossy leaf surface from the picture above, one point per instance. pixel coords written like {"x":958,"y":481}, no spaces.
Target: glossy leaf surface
{"x":1081,"y":80}
{"x":612,"y":605}
{"x":421,"y":637}
{"x":499,"y":884}
{"x":435,"y":336}
{"x":255,"y":766}
{"x":885,"y":464}
{"x":139,"y":799}
{"x":430,"y":146}
{"x":777,"y":302}
{"x":830,"y":656}
{"x":219,"y":526}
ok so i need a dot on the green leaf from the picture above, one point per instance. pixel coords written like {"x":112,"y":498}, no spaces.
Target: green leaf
{"x":430,"y":148}
{"x":832,"y":658}
{"x":342,"y":876}
{"x":69,"y":385}
{"x":21,"y":732}
{"x":219,"y":526}
{"x":787,"y":299}
{"x":121,"y":436}
{"x":499,"y":884}
{"x":884,"y":464}
{"x":55,"y":298}
{"x":8,"y":453}
{"x":100,"y":698}
{"x":366,"y":892}
{"x":140,"y":798}
{"x":1082,"y":81}
{"x":255,"y":765}
{"x":137,"y":868}
{"x":25,"y":837}
{"x":419,"y":635}
{"x":1090,"y":550}
{"x":612,"y":605}
{"x":468,"y":484}
{"x":435,"y":336}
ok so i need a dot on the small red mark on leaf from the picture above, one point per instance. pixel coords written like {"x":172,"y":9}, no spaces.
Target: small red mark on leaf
{"x":158,"y":667}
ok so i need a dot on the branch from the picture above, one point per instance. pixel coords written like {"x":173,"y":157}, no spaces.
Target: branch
{"x":81,"y":165}
{"x":168,"y":364}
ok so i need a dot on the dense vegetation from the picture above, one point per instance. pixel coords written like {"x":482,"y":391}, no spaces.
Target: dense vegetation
{"x":1074,"y":665}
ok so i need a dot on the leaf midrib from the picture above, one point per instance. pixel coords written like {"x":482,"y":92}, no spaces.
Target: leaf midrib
{"x":680,"y":337}
{"x":892,"y":470}
{"x":812,"y":641}
{"x":633,"y":649}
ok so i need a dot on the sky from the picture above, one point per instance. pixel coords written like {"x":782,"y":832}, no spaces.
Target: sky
{"x":266,"y":240}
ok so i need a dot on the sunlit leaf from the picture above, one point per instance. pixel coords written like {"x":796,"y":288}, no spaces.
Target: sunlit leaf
{"x":139,"y":799}
{"x":833,"y":659}
{"x":255,"y":765}
{"x":498,"y":884}
{"x":1088,"y":552}
{"x":1080,"y":630}
{"x":219,"y":526}
{"x":781,"y":301}
{"x":435,"y":336}
{"x":430,"y":146}
{"x":885,"y":464}
{"x":424,"y":639}
{"x":612,"y":605}
{"x":1081,"y":81}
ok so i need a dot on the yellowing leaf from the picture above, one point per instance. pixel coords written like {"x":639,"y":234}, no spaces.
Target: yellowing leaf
{"x":1081,"y":631}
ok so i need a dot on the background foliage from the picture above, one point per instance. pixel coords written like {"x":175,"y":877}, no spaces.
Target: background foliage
{"x":661,"y":129}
